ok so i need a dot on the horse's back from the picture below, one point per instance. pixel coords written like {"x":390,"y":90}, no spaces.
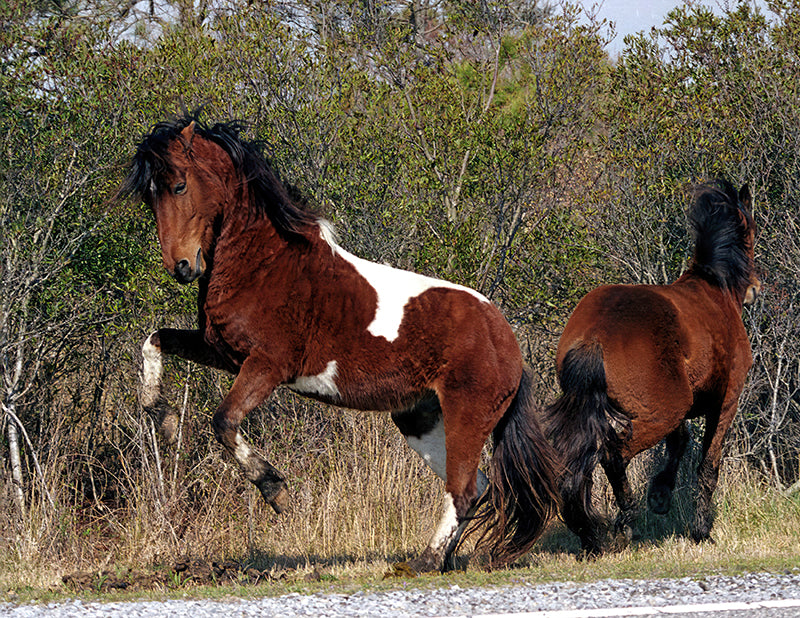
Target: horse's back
{"x":450,"y":340}
{"x":397,"y":335}
{"x":627,"y":321}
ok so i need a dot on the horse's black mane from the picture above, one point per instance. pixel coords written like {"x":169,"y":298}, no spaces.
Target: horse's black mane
{"x":720,"y":234}
{"x":269,"y":195}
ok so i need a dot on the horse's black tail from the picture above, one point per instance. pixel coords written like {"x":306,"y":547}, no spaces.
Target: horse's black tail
{"x":579,"y":424}
{"x":523,"y":495}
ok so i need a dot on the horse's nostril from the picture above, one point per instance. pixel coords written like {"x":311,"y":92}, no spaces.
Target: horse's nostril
{"x":183,"y":270}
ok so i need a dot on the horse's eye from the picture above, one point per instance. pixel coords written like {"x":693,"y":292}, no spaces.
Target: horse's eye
{"x":180,"y":188}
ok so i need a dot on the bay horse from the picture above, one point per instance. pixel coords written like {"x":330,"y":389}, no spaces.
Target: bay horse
{"x":280,"y":302}
{"x":636,"y":361}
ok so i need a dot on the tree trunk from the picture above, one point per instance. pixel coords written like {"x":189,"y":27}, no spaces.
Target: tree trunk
{"x":16,"y":464}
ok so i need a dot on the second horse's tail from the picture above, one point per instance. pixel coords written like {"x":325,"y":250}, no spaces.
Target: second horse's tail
{"x":579,"y":424}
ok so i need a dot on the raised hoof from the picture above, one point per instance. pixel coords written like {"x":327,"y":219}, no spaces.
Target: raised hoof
{"x":659,"y":499}
{"x":275,"y":493}
{"x":169,"y":427}
{"x":166,"y":419}
{"x":281,"y":501}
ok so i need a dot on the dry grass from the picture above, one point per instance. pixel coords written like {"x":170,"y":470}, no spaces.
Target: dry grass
{"x":361,"y":501}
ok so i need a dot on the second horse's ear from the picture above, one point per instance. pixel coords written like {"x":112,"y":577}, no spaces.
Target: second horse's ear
{"x":187,"y":135}
{"x":745,"y":198}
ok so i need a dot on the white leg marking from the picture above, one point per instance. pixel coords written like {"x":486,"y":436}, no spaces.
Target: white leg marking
{"x":394,"y":287}
{"x":243,"y":451}
{"x":151,"y":372}
{"x":448,"y":524}
{"x":320,"y":384}
{"x":431,"y":447}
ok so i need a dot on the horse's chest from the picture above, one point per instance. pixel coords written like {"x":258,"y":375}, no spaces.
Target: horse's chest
{"x":227,"y":329}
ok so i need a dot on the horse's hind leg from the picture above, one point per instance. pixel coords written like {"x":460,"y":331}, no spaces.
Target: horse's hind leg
{"x":614,"y":466}
{"x":440,"y":553}
{"x":708,"y":470}
{"x":579,"y":514}
{"x":423,"y":428}
{"x":659,"y":498}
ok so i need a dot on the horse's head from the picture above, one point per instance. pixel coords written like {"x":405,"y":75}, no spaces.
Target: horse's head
{"x":749,"y":226}
{"x":186,"y":179}
{"x":191,"y":175}
{"x":186,"y":193}
{"x":725,"y":233}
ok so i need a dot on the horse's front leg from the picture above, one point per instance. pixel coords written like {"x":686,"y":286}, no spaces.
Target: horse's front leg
{"x":252,"y":386}
{"x":659,"y":497}
{"x":615,"y":465}
{"x":716,"y":429}
{"x":188,"y":344}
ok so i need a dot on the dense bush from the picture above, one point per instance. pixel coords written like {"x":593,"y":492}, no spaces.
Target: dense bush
{"x":497,"y":148}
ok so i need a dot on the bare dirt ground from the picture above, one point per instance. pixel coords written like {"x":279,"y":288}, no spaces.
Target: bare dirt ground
{"x":184,"y":572}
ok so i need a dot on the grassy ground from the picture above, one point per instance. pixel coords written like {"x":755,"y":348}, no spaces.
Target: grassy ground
{"x":355,"y":516}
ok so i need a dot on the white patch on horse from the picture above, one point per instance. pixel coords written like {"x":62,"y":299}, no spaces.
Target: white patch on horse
{"x":321,"y":384}
{"x":242,"y":451}
{"x":151,"y":372}
{"x":431,"y":447}
{"x":393,"y":286}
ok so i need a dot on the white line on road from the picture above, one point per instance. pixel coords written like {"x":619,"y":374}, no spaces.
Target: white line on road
{"x":642,"y":611}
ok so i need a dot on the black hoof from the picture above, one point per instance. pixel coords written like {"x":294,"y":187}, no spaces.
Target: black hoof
{"x":702,"y":537}
{"x":590,"y":552}
{"x":276,"y":494}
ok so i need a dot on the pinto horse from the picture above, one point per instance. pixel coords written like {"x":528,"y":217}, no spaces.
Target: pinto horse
{"x":280,"y":302}
{"x":635,"y":361}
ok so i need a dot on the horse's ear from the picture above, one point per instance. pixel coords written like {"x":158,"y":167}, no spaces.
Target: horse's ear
{"x":745,"y":198}
{"x":187,"y":135}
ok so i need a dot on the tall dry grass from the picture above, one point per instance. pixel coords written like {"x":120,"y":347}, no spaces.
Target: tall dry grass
{"x":358,"y":492}
{"x":361,"y":498}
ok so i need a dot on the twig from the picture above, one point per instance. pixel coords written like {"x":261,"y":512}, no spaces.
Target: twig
{"x":184,"y":405}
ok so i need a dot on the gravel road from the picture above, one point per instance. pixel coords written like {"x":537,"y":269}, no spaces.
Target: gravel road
{"x":452,"y":601}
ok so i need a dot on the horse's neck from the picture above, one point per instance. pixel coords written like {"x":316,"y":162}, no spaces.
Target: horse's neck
{"x":718,"y":294}
{"x":252,"y":237}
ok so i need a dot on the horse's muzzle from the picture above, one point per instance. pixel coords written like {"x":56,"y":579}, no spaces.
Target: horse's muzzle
{"x":186,"y":272}
{"x":753,"y":291}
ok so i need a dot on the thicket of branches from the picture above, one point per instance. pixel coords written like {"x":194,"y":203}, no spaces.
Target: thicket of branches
{"x":494,"y":144}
